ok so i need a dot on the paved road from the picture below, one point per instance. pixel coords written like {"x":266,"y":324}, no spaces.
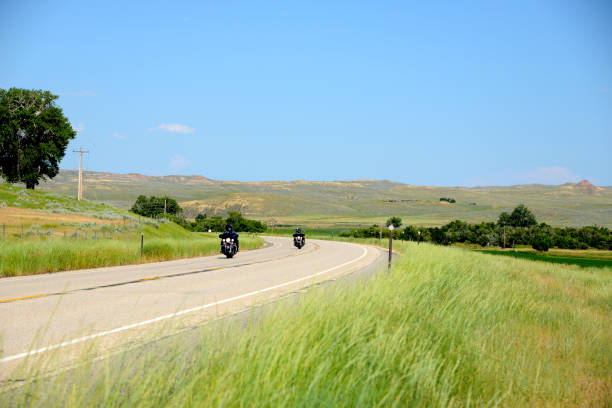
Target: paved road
{"x":58,"y":311}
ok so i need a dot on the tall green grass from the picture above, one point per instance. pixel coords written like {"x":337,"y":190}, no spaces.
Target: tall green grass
{"x":58,"y":254}
{"x":446,"y":327}
{"x":566,"y":258}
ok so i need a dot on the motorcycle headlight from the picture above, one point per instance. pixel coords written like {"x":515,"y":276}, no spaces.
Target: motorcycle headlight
{"x":227,"y":240}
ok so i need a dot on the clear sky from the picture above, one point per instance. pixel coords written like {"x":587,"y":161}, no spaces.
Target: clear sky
{"x":434,"y":93}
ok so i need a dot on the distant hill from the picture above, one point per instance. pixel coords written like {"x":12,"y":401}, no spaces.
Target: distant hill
{"x":347,"y":203}
{"x":583,"y":186}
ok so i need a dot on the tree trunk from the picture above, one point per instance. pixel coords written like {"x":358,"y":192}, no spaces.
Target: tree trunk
{"x":30,"y":185}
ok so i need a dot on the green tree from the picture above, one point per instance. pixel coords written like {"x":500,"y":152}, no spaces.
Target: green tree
{"x":396,"y":221}
{"x":243,"y":224}
{"x":409,"y":233}
{"x":235,"y":218}
{"x":154,"y":206}
{"x":140,"y":206}
{"x":522,"y":217}
{"x":541,"y":242}
{"x":172,"y":206}
{"x":504,"y":219}
{"x":215,"y":223}
{"x":34,"y":134}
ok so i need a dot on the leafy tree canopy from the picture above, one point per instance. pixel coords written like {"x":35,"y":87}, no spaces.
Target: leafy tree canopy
{"x":504,"y":219}
{"x":396,"y":221}
{"x":522,"y":217}
{"x":154,"y":206}
{"x":34,"y":134}
{"x":235,"y":218}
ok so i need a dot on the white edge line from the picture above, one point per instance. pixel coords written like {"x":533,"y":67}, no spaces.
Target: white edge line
{"x":179,"y":313}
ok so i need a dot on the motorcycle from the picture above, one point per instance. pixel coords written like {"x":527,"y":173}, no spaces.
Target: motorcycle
{"x":228,"y":247}
{"x":298,"y":242}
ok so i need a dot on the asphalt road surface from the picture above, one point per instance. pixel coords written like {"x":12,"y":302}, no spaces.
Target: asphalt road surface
{"x":115,"y":305}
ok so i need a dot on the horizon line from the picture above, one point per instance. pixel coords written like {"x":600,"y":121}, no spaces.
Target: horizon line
{"x":334,"y":181}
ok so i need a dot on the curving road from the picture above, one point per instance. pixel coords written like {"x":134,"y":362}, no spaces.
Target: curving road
{"x":117,"y":305}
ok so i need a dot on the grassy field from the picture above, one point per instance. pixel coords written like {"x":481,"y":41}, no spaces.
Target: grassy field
{"x":347,"y":204}
{"x":585,"y":259}
{"x":52,"y":203}
{"x":43,"y":232}
{"x":30,"y":213}
{"x":588,"y":258}
{"x":447,"y":327}
{"x":164,"y":242}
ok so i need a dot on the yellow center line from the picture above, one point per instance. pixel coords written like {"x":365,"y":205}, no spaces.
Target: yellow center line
{"x":21,"y":298}
{"x":159,"y":277}
{"x":147,"y":279}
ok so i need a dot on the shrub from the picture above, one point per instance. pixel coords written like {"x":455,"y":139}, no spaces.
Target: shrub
{"x":154,"y":206}
{"x":541,"y":242}
{"x":396,"y":221}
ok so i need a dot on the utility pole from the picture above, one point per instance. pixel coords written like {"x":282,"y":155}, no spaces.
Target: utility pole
{"x":80,"y":151}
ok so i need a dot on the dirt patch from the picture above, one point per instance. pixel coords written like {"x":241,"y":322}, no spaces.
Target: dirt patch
{"x":18,"y":216}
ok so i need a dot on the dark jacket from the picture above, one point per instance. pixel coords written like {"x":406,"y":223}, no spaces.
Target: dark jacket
{"x":229,"y":234}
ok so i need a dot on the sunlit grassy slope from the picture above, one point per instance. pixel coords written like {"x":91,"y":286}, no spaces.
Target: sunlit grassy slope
{"x":446,"y":327}
{"x":44,"y":232}
{"x":51,"y":202}
{"x":346,"y":204}
{"x":162,"y":242}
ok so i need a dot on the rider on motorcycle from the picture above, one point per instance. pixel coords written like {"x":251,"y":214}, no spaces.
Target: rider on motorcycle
{"x":229,"y":233}
{"x":298,"y":233}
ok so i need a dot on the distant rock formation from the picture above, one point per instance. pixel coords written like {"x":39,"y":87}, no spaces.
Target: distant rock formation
{"x":585,"y":186}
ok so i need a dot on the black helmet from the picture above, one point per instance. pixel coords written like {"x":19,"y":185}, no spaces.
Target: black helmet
{"x":229,"y":227}
{"x":298,"y":229}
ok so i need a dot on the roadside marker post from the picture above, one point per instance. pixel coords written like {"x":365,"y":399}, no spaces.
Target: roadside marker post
{"x":419,"y":239}
{"x":141,"y":243}
{"x":391,"y":228}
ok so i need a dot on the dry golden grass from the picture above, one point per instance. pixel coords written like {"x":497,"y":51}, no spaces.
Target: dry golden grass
{"x":18,"y":216}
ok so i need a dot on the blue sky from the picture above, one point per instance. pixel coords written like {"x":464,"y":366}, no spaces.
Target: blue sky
{"x":427,"y":93}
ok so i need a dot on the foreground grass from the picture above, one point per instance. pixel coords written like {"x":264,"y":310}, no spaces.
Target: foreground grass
{"x":164,"y":242}
{"x":446,"y":327}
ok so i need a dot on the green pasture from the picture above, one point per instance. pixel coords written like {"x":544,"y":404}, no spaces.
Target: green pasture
{"x":594,"y":260}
